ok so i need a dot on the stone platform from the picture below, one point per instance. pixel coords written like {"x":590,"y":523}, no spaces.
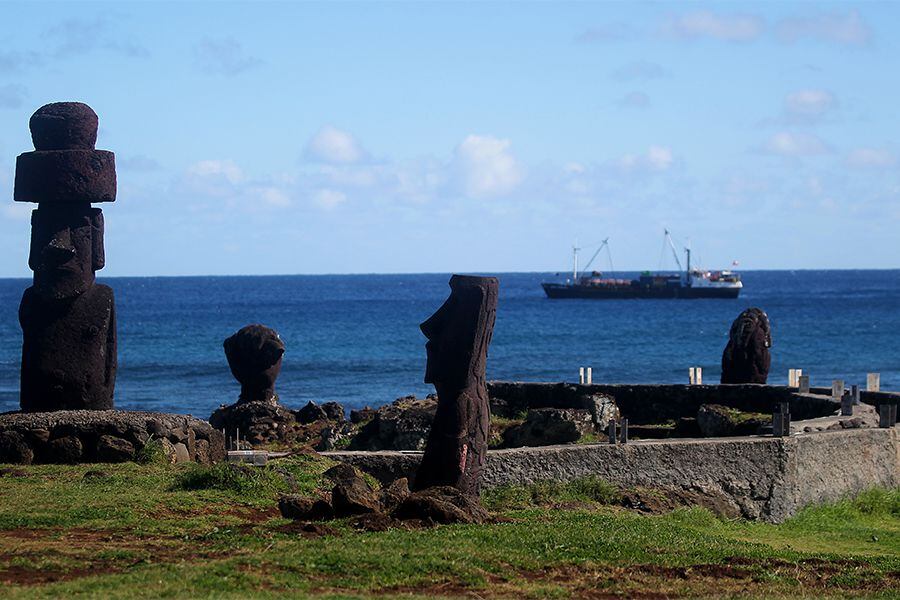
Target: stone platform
{"x":84,"y":436}
{"x":764,"y":478}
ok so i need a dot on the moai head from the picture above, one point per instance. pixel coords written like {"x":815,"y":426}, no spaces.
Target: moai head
{"x":254,"y":356}
{"x":66,"y":250}
{"x":64,"y":126}
{"x":746,"y":357}
{"x":459,"y":333}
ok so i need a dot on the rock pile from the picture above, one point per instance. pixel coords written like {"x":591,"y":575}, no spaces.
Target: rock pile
{"x":80,"y":436}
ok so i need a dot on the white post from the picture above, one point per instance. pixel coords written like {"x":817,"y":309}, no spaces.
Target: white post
{"x":590,"y":376}
{"x":692,"y":375}
{"x":581,"y":375}
{"x":699,"y":372}
{"x":873,"y":382}
{"x":791,"y":374}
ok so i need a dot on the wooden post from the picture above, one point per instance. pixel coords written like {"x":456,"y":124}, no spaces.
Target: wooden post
{"x":590,"y":376}
{"x":581,"y":375}
{"x":623,"y":434}
{"x":803,"y":384}
{"x":611,"y":429}
{"x":854,"y":393}
{"x":846,"y":404}
{"x":873,"y":382}
{"x":837,"y":389}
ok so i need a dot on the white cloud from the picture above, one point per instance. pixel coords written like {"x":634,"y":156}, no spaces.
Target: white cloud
{"x":486,"y":166}
{"x":329,"y":199}
{"x":809,"y":102}
{"x":845,"y":29}
{"x":216,"y":169}
{"x":332,"y":145}
{"x":707,"y":24}
{"x":657,"y":158}
{"x":871,"y":158}
{"x":272,"y":196}
{"x":787,"y":143}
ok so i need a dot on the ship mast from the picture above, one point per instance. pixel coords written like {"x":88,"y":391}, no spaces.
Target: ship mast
{"x":575,"y":250}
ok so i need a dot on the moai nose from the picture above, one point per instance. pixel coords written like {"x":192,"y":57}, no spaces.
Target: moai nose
{"x":60,"y":248}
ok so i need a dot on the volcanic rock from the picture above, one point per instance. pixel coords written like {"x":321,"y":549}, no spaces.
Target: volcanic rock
{"x":444,"y":505}
{"x":549,"y":426}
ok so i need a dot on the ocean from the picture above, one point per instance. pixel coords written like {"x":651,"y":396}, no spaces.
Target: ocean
{"x":354,"y":339}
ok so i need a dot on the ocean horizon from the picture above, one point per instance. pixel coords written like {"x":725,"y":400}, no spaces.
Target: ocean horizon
{"x":354,"y":339}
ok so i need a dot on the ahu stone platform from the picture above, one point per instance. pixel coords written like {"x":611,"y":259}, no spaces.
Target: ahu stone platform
{"x":85,"y":436}
{"x":764,"y":478}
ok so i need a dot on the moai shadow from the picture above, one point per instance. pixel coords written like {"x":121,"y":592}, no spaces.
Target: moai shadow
{"x":746,"y":357}
{"x":68,"y":322}
{"x":254,"y":355}
{"x":459,"y":334}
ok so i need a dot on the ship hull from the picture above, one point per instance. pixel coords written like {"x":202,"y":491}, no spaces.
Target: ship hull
{"x":559,"y":290}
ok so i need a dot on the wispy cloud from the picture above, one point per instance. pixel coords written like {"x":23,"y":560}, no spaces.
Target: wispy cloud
{"x":708,"y":24}
{"x":639,"y":70}
{"x":845,"y":29}
{"x":634,"y":99}
{"x":810,"y":103}
{"x":608,"y":32}
{"x":486,"y":167}
{"x":795,"y":144}
{"x":79,"y":36}
{"x":224,"y":56}
{"x":333,"y":145}
{"x":872,"y":158}
{"x":138,"y":162}
{"x":14,"y":61}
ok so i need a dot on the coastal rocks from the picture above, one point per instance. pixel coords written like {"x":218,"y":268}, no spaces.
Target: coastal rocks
{"x":746,"y":357}
{"x":257,"y":422}
{"x":443,"y":505}
{"x":459,"y":334}
{"x":68,"y":322}
{"x":549,"y":426}
{"x":715,"y":420}
{"x":80,"y":436}
{"x":401,"y":425}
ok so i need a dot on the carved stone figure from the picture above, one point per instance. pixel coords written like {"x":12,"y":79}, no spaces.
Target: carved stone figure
{"x":254,"y":356}
{"x":746,"y":357}
{"x":459,"y":334}
{"x":68,"y":322}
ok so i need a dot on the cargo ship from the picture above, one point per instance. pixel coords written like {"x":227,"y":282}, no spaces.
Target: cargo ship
{"x":687,"y":283}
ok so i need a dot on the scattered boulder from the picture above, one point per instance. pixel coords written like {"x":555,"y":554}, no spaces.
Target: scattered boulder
{"x":333,"y":411}
{"x":394,"y":494}
{"x":715,"y":420}
{"x":64,"y":450}
{"x":14,"y":449}
{"x":363,"y":415}
{"x":549,"y":426}
{"x":354,"y":497}
{"x":311,"y":413}
{"x":603,"y":409}
{"x":114,"y":449}
{"x":401,"y":425}
{"x":257,"y":422}
{"x":444,"y":505}
{"x":304,"y":508}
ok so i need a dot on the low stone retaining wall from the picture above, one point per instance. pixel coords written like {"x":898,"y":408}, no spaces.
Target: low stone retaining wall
{"x":762,"y":477}
{"x":81,"y":436}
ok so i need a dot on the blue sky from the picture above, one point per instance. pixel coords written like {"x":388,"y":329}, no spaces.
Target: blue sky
{"x":257,"y":138}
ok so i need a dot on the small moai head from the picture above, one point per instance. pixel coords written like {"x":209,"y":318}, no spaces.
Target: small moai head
{"x":254,"y":355}
{"x":750,"y":324}
{"x":66,"y":250}
{"x":460,"y":331}
{"x":746,"y":357}
{"x":64,"y":126}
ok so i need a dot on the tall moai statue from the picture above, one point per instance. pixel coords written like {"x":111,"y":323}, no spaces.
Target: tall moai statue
{"x":459,"y":334}
{"x":68,"y":322}
{"x":746,"y":357}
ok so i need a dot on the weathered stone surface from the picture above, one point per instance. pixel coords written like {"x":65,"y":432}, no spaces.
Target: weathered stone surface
{"x":304,"y":508}
{"x":444,"y":505}
{"x":65,"y":177}
{"x":715,"y":420}
{"x":110,"y":436}
{"x":311,"y":413}
{"x":459,"y":335}
{"x":394,"y":494}
{"x":362,"y":415}
{"x":353,"y":497}
{"x":766,"y":478}
{"x":64,"y":126}
{"x":401,"y":425}
{"x":114,"y":449}
{"x":257,"y":422}
{"x":254,"y":356}
{"x":333,"y":411}
{"x":603,"y":409}
{"x":746,"y":357}
{"x":14,"y":449}
{"x":549,"y":426}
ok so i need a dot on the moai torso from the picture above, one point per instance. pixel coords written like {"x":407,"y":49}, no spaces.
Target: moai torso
{"x":746,"y":357}
{"x":459,"y":334}
{"x":68,"y":322}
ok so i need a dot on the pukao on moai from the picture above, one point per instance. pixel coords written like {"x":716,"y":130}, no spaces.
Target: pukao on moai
{"x":68,"y":322}
{"x":254,"y":356}
{"x":746,"y":357}
{"x":459,"y":334}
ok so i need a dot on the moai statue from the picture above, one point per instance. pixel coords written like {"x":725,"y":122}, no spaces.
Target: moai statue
{"x":68,"y":322}
{"x":459,"y":334}
{"x":746,"y":357}
{"x":254,"y":356}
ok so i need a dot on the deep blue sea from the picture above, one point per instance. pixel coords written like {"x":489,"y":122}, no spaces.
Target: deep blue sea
{"x":355,"y":338}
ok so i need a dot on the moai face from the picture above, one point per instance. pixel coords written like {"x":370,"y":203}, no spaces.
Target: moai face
{"x":66,"y":250}
{"x":459,"y":333}
{"x":254,"y":355}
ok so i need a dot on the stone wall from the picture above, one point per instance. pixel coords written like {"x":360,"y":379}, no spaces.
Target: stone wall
{"x":761,"y":477}
{"x":83,"y":436}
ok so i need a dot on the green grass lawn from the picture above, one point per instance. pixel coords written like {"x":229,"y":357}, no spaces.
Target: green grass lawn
{"x":157,"y":530}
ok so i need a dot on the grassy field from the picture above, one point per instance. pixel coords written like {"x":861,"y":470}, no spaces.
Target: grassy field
{"x":158,"y":530}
